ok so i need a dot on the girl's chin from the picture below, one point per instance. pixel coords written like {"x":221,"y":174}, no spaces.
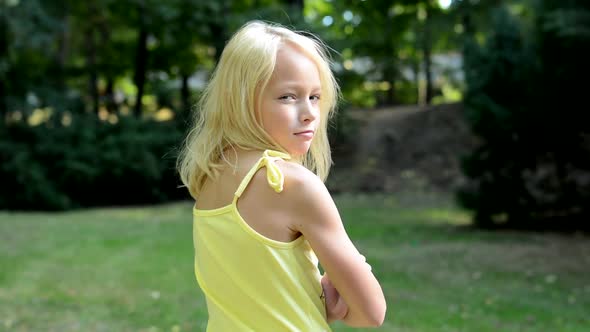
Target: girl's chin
{"x":298,"y":152}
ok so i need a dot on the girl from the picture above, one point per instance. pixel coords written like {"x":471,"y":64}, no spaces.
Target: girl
{"x":255,"y":164}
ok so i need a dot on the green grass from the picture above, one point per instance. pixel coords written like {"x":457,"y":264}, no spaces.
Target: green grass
{"x":130,"y":269}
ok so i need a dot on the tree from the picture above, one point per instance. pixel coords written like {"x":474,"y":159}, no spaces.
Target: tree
{"x":27,"y":56}
{"x":3,"y":62}
{"x":532,"y":167}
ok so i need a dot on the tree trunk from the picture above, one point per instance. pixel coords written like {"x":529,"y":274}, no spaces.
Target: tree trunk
{"x":427,"y":54}
{"x":389,"y":96}
{"x":140,"y":60}
{"x":104,"y":32}
{"x":467,"y":22}
{"x":62,"y":54}
{"x":91,"y":65}
{"x":185,"y":95}
{"x":110,"y":96}
{"x":297,"y":4}
{"x":389,"y":72}
{"x":217,"y":30}
{"x":3,"y":57}
{"x":416,"y":71}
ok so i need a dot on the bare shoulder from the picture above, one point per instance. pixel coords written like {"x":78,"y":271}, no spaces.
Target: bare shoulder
{"x":306,"y":195}
{"x":268,"y":211}
{"x":304,"y":199}
{"x":301,"y":184}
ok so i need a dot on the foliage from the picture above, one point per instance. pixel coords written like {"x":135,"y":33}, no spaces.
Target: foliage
{"x":87,"y":163}
{"x":101,"y":59}
{"x":532,"y":169}
{"x":54,"y":49}
{"x":382,"y":45}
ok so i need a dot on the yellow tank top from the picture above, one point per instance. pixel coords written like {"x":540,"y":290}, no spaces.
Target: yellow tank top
{"x":251,"y":282}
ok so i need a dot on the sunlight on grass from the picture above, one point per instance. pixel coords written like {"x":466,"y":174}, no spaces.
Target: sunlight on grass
{"x":448,"y":217}
{"x":131,"y":269}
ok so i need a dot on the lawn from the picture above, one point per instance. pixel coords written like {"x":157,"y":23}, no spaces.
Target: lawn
{"x":130,"y":269}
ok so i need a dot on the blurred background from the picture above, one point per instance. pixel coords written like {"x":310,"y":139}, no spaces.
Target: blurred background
{"x":461,"y":122}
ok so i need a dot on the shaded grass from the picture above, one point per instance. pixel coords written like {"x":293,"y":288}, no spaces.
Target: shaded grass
{"x":130,"y":269}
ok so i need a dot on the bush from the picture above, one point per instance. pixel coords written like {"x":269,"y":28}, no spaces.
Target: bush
{"x":532,"y":169}
{"x":88,"y":163}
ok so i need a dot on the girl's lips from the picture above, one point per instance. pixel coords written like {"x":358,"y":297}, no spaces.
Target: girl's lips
{"x":306,"y":134}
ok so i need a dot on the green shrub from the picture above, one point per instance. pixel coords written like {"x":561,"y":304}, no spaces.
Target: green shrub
{"x":88,"y":163}
{"x":532,"y":169}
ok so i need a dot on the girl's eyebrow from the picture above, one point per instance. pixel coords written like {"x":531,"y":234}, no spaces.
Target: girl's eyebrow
{"x":295,"y":85}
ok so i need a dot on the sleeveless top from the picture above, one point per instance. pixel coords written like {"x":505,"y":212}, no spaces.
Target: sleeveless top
{"x":251,"y":282}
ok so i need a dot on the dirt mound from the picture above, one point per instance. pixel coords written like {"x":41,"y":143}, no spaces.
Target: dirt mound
{"x":403,"y":148}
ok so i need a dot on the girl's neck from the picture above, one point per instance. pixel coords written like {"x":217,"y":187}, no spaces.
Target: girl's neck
{"x":233,"y":155}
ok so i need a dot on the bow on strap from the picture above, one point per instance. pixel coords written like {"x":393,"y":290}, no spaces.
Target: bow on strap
{"x":274,"y":176}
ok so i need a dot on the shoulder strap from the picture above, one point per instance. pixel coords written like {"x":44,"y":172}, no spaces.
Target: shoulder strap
{"x":274,"y":176}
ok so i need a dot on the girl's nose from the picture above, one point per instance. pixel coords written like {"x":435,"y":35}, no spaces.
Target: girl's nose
{"x":308,"y":111}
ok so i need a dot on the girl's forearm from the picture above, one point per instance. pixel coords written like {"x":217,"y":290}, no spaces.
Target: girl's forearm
{"x":336,"y":308}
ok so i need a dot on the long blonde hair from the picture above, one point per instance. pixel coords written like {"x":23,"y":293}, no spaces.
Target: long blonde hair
{"x":226,"y":115}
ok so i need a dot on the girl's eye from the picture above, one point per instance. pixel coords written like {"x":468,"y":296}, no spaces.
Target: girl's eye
{"x":315,"y":98}
{"x":287,"y":97}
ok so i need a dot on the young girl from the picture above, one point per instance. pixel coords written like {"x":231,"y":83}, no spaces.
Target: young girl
{"x":255,"y":164}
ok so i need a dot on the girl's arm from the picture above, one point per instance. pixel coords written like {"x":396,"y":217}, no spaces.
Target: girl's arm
{"x":336,"y":308}
{"x":315,"y":215}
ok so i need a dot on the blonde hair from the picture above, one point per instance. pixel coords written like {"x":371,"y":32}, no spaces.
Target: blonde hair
{"x":226,"y":115}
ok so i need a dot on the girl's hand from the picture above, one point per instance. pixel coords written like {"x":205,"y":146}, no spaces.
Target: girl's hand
{"x":336,"y":308}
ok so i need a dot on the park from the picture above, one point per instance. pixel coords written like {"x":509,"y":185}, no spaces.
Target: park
{"x":460,"y":147}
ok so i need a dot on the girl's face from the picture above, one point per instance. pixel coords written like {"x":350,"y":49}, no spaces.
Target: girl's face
{"x":290,"y":104}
